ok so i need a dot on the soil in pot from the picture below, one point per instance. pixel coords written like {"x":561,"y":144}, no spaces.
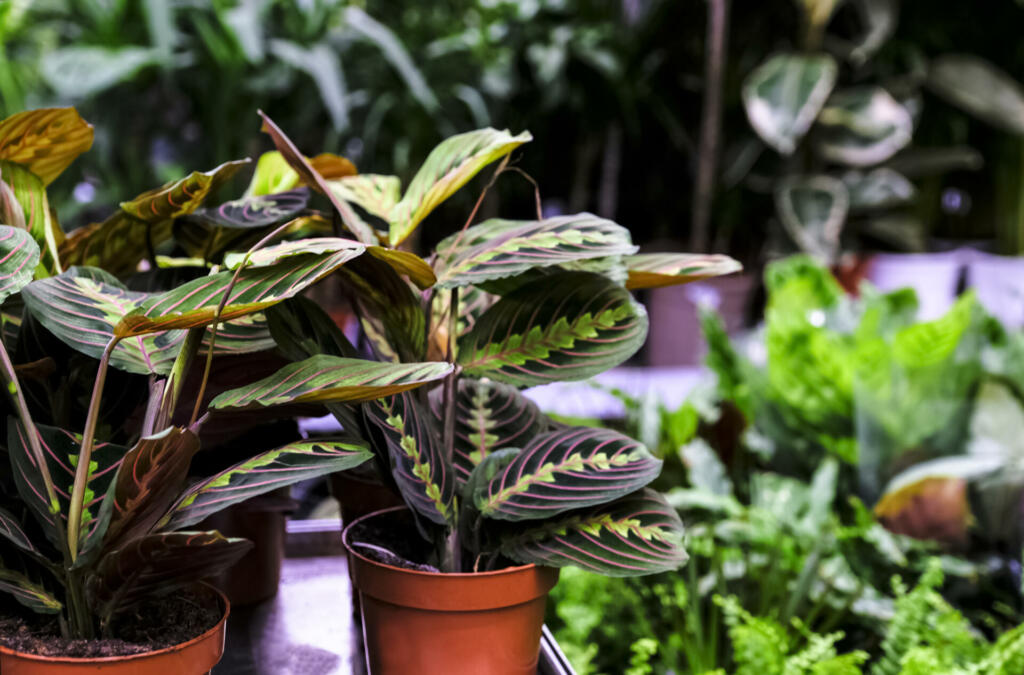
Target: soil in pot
{"x":421,"y":621}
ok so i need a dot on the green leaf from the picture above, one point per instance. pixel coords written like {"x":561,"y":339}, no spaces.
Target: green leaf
{"x":407,"y":263}
{"x":389,"y":311}
{"x":784,"y":95}
{"x":30,"y":194}
{"x":267,"y":471}
{"x":148,"y":483}
{"x":45,"y":141}
{"x":195,"y":303}
{"x":813,"y":211}
{"x":321,"y":63}
{"x":180,"y":197}
{"x":257,"y":211}
{"x":877,"y":189}
{"x":83,"y":71}
{"x":418,"y":464}
{"x":497,"y":248}
{"x":448,"y":167}
{"x":19,"y":255}
{"x":116,"y":245}
{"x":327,"y":379}
{"x":301,"y":328}
{"x":60,"y":449}
{"x":863,"y":126}
{"x":273,"y":175}
{"x":568,"y":469}
{"x":980,"y":89}
{"x":375,"y":193}
{"x":654,"y":270}
{"x":159,"y":564}
{"x":488,"y":416}
{"x":29,"y":593}
{"x":638,"y":534}
{"x":565,"y":326}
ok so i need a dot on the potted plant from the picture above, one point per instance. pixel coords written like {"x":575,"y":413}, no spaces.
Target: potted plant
{"x":497,"y":495}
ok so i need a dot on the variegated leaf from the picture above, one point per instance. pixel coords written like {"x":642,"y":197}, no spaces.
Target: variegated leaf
{"x":326,"y":379}
{"x":308,"y":173}
{"x":195,"y":303}
{"x":61,"y":451}
{"x":568,"y":469}
{"x":389,"y":311}
{"x":28,"y":593}
{"x":45,"y":141}
{"x":158,"y":564}
{"x":272,"y":255}
{"x":419,"y":467}
{"x":863,"y":126}
{"x":116,"y":245}
{"x":406,"y":263}
{"x":267,"y":471}
{"x":636,"y":535}
{"x":374,"y":193}
{"x":565,"y":326}
{"x":19,"y":255}
{"x":29,"y":191}
{"x":301,"y":329}
{"x":813,"y":211}
{"x":654,"y":270}
{"x":498,"y":248}
{"x":256,"y":211}
{"x":448,"y":167}
{"x":488,"y":416}
{"x":180,"y":197}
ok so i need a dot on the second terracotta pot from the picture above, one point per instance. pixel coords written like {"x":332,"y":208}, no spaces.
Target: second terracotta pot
{"x":488,"y":623}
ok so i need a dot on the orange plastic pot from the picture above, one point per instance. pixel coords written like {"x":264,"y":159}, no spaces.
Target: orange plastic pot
{"x":487,"y":623}
{"x":198,"y":655}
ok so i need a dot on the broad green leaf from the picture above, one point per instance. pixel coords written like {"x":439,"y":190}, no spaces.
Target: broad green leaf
{"x":258,"y":211}
{"x":272,"y":176}
{"x":19,"y":256}
{"x":83,"y":306}
{"x":375,"y":193}
{"x":79,"y":72}
{"x":877,"y":189}
{"x":639,"y":534}
{"x":448,"y":167}
{"x":979,"y":88}
{"x":863,"y":126}
{"x":28,"y":593}
{"x":813,"y":211}
{"x":180,"y":197}
{"x":424,"y":476}
{"x":272,"y":255}
{"x":566,"y":326}
{"x":40,"y":222}
{"x":158,"y":564}
{"x":406,"y":263}
{"x":148,"y":483}
{"x":267,"y":471}
{"x":488,"y":416}
{"x":499,"y":248}
{"x":195,"y":303}
{"x":784,"y":95}
{"x":327,"y":379}
{"x":116,"y":245}
{"x":45,"y":141}
{"x":388,"y":310}
{"x":568,"y":469}
{"x":654,"y":270}
{"x":312,"y":177}
{"x":61,"y":451}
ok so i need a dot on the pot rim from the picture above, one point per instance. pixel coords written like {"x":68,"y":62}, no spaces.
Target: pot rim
{"x":80,"y":660}
{"x":448,"y":575}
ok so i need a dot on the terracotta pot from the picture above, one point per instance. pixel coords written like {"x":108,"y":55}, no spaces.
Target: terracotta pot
{"x":198,"y":655}
{"x":488,"y":623}
{"x":360,"y":495}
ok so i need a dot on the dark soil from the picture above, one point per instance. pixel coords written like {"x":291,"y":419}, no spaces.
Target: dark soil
{"x":392,"y":539}
{"x":155,"y":624}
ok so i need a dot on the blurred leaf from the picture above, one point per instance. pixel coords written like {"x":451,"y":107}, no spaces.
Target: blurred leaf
{"x":321,"y":63}
{"x":979,"y":88}
{"x":273,"y":175}
{"x":705,"y":468}
{"x":863,"y":126}
{"x":879,"y":18}
{"x":877,"y":189}
{"x":80,"y":72}
{"x":784,"y":95}
{"x":245,"y":23}
{"x":915,"y":162}
{"x":813,"y":210}
{"x":655,"y":270}
{"x":45,"y":141}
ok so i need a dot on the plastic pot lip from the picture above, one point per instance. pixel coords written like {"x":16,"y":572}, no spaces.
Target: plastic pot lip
{"x":99,"y":660}
{"x":421,"y":573}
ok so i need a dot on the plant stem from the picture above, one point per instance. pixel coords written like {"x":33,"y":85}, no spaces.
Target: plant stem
{"x":79,"y":615}
{"x":710,"y":124}
{"x":453,"y":545}
{"x":85,"y":454}
{"x":176,"y":378}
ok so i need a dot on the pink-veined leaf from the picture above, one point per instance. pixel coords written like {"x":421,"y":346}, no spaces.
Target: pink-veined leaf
{"x":424,"y":476}
{"x":116,"y":244}
{"x":267,"y":471}
{"x":327,"y":379}
{"x":45,"y":141}
{"x":39,"y":220}
{"x":180,"y":197}
{"x":447,"y":168}
{"x":567,"y":469}
{"x":12,"y":530}
{"x":654,"y":270}
{"x":564,"y":326}
{"x":28,"y":593}
{"x":374,"y":193}
{"x":496,"y":249}
{"x":195,"y":303}
{"x":638,"y":534}
{"x":19,"y":255}
{"x":404,"y":262}
{"x":389,"y":312}
{"x":272,"y":255}
{"x":256,"y":211}
{"x":489,"y":416}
